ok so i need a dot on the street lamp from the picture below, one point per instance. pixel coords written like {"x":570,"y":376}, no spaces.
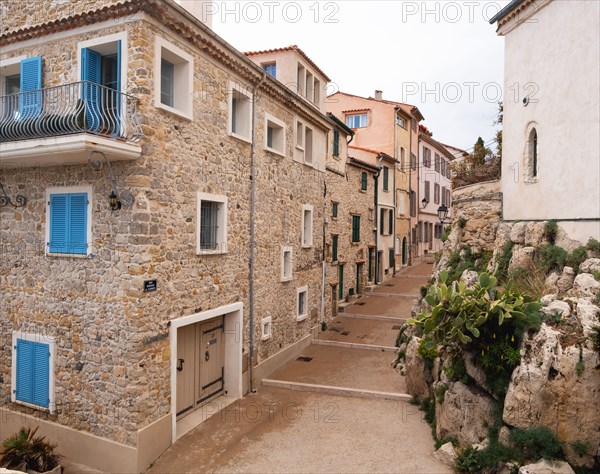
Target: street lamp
{"x":442,"y":213}
{"x":424,"y":203}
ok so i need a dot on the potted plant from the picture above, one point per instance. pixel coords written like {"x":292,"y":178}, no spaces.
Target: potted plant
{"x":26,"y":452}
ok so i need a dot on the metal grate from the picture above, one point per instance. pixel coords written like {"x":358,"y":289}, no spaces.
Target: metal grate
{"x":304,"y":359}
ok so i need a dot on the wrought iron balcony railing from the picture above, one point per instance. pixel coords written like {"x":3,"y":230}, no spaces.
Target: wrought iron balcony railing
{"x":79,"y":107}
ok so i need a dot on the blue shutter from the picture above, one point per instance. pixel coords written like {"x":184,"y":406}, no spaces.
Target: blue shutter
{"x":91,"y":63}
{"x":58,"y":223}
{"x":31,"y":83}
{"x":41,"y":374}
{"x":117,"y":94}
{"x":25,"y":357}
{"x":77,"y":223}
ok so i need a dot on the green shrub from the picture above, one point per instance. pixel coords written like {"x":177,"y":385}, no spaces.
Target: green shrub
{"x":402,"y":337}
{"x":428,"y":406}
{"x":597,"y":277}
{"x":504,"y":260}
{"x":446,"y":233}
{"x":535,"y":443}
{"x":486,"y":460}
{"x":461,"y":222}
{"x":26,"y":448}
{"x":440,"y":393}
{"x":581,"y":448}
{"x":450,"y":439}
{"x":576,"y":258}
{"x":457,"y":371}
{"x":428,"y":352}
{"x":551,"y":231}
{"x":551,"y":257}
{"x":595,"y":337}
{"x":594,"y":246}
{"x":423,"y":291}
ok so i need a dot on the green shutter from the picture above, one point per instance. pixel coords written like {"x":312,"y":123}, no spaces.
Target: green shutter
{"x":363,"y":183}
{"x":334,"y":209}
{"x":355,"y":228}
{"x":336,"y":143}
{"x":385,"y":178}
{"x":391,"y":228}
{"x":334,"y":248}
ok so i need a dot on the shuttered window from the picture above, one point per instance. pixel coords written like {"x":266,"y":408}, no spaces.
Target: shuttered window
{"x":334,"y":210}
{"x":30,"y":100}
{"x":68,"y":223}
{"x":363,"y":181}
{"x":391,"y":222}
{"x":336,"y":143}
{"x":386,"y":173}
{"x":355,"y":228}
{"x":32,"y":373}
{"x":334,"y":248}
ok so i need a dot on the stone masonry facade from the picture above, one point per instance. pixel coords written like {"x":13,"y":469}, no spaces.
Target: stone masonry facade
{"x":112,"y":372}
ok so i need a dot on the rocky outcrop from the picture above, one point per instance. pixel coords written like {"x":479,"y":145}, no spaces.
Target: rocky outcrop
{"x":559,"y":307}
{"x":591,"y":265}
{"x":586,"y":285}
{"x":587,"y":314}
{"x":465,"y":413}
{"x":548,"y":389}
{"x":446,"y":454}
{"x":414,"y":371}
{"x":522,"y":257}
{"x":547,"y":467}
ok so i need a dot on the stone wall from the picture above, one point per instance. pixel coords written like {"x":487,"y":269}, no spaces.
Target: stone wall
{"x":110,"y":380}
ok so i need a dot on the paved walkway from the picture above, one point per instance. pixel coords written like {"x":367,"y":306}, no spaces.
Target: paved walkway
{"x":340,"y":407}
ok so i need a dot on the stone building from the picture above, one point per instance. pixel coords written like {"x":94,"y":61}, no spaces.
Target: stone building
{"x":391,"y":128}
{"x":164,"y":202}
{"x":435,"y":189}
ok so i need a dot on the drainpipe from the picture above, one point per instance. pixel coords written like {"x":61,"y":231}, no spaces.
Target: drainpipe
{"x":377,"y":223}
{"x":395,"y":190}
{"x":252,"y":230}
{"x":410,"y":196}
{"x":323,"y":277}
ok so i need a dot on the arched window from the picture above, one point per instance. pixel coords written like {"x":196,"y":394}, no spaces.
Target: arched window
{"x":533,"y":153}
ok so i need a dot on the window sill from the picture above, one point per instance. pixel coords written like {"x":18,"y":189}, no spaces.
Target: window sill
{"x":174,"y":111}
{"x":364,"y":191}
{"x":211,"y":252}
{"x":306,"y":246}
{"x":265,"y":338}
{"x":356,"y":244}
{"x":35,"y":407}
{"x":240,"y":137}
{"x":275,"y":152}
{"x":530,"y":180}
{"x":335,"y":263}
{"x":301,"y":317}
{"x":68,"y":255}
{"x":286,"y":279}
{"x":299,"y":147}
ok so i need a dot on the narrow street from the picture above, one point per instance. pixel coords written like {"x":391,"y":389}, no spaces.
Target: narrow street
{"x":341,"y":407}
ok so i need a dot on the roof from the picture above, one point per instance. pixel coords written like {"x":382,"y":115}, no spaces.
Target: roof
{"x":506,"y":10}
{"x":440,"y":146}
{"x":340,"y":124}
{"x":286,"y":49}
{"x":375,"y":152}
{"x":451,"y":147}
{"x":362,"y":163}
{"x":408,"y":108}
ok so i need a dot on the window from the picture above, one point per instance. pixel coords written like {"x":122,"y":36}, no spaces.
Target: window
{"x":532,"y":159}
{"x":308,"y":146}
{"x":21,"y":74}
{"x":334,"y":210}
{"x":426,"y":157}
{"x":381,"y":221}
{"x":317,"y":96}
{"x":286,"y":264}
{"x":307,"y":225}
{"x":448,"y":198}
{"x":175,"y":68}
{"x":167,"y":79}
{"x":68,"y":228}
{"x":402,"y":159}
{"x":302,"y":303}
{"x":364,"y":180}
{"x":444,"y":195}
{"x":413,"y":204}
{"x":212,"y":224}
{"x":413,"y":161}
{"x":33,"y":370}
{"x":310,"y":82}
{"x":274,"y":135}
{"x":427,"y":191}
{"x":336,"y":143}
{"x":391,"y":258}
{"x":300,"y":79}
{"x":355,"y":228}
{"x":240,"y":112}
{"x":437,"y":162}
{"x":400,"y":121}
{"x":390,"y":222}
{"x":270,"y":69}
{"x":436,"y":193}
{"x":386,"y":173}
{"x":401,"y":203}
{"x":334,"y":248}
{"x":266,"y":326}
{"x":356,"y":121}
{"x":341,"y":292}
{"x":300,"y":135}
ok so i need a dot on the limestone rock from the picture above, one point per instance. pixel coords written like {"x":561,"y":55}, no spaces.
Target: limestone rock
{"x":552,"y":282}
{"x":587,"y":313}
{"x":547,"y":299}
{"x":465,"y":413}
{"x":416,"y":383}
{"x":565,"y":282}
{"x":534,"y":233}
{"x":563,"y":240}
{"x":446,"y":454}
{"x":590,"y":265}
{"x":586,"y":285}
{"x":517,"y":233}
{"x":503,"y":435}
{"x":522,"y":258}
{"x":558,"y":306}
{"x":474,"y":371}
{"x":547,"y":467}
{"x":470,"y":277}
{"x":545,"y":390}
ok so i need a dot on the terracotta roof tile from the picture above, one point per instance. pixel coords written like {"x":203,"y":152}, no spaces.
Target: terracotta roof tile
{"x":290,"y":48}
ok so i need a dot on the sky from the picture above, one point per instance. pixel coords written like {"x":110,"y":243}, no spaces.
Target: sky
{"x":442,"y":56}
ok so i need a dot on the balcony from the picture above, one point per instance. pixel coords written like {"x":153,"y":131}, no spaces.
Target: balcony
{"x":62,"y":125}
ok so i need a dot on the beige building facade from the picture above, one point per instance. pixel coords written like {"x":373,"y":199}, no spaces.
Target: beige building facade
{"x":166,"y":202}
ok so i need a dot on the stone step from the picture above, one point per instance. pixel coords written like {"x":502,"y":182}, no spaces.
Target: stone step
{"x":375,"y":317}
{"x":333,"y":390}
{"x":353,"y":345}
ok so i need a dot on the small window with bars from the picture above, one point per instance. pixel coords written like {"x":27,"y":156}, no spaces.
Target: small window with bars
{"x":212,"y":224}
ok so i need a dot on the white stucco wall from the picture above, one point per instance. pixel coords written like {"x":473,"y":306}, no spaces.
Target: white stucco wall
{"x":557,"y":51}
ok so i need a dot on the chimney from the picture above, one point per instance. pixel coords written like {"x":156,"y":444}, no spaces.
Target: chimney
{"x":378,"y":95}
{"x":202,"y":10}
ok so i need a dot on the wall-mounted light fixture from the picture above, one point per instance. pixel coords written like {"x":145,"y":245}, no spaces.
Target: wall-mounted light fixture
{"x":114,"y":200}
{"x":424,"y":203}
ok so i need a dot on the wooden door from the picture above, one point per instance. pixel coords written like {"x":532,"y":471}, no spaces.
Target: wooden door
{"x":211,"y":360}
{"x":186,"y":368}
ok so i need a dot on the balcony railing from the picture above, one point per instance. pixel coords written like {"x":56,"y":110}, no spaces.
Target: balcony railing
{"x":79,"y":107}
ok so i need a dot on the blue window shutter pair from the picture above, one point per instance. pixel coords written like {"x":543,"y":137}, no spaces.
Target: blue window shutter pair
{"x":30,"y":100}
{"x":33,"y":373}
{"x":68,"y":223}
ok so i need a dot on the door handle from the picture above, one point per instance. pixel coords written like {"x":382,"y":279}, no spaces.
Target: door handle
{"x":180,"y":365}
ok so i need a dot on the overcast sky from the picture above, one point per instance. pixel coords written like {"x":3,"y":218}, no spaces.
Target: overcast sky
{"x":442,"y":56}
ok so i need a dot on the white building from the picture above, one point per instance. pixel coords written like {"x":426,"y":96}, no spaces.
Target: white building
{"x":551,"y":137}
